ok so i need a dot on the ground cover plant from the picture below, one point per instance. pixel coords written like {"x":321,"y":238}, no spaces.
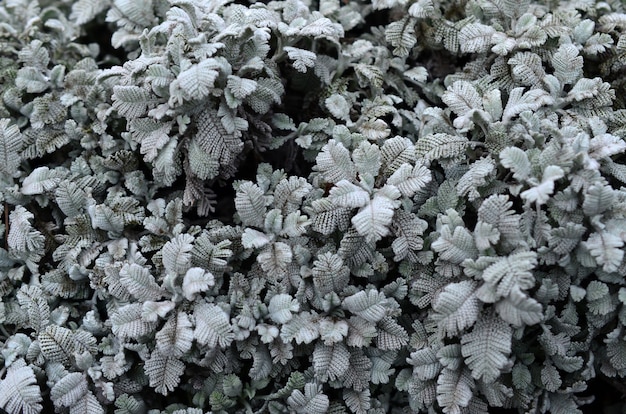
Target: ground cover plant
{"x":312,"y":206}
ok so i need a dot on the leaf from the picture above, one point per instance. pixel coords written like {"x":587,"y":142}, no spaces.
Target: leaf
{"x":455,"y":247}
{"x":477,"y":176}
{"x":520,"y":101}
{"x":487,"y":347}
{"x":372,"y":222}
{"x":476,"y":38}
{"x":346,"y":194}
{"x":274,"y":258}
{"x":212,"y":326}
{"x":338,"y":106}
{"x":130,"y":101}
{"x":57,"y":344}
{"x":302,"y":328}
{"x":598,"y":198}
{"x":312,"y":401}
{"x":568,"y":65}
{"x":440,"y":146}
{"x":456,"y":308}
{"x":69,"y":390}
{"x":454,"y":390}
{"x":250,"y":204}
{"x":540,"y":193}
{"x":517,"y":161}
{"x":84,"y":11}
{"x":139,"y":282}
{"x":196,"y":280}
{"x":198,"y":80}
{"x":302,"y":59}
{"x":391,"y":336}
{"x":42,"y":179}
{"x":240,"y":87}
{"x":126,"y":322}
{"x":512,"y":274}
{"x":164,"y":372}
{"x":369,"y":305}
{"x":520,"y":310}
{"x":176,"y":335}
{"x":410,"y":179}
{"x":606,"y":249}
{"x":330,"y":362}
{"x":281,"y":307}
{"x":19,"y":392}
{"x":33,"y":301}
{"x":461,"y":97}
{"x":401,"y":35}
{"x":11,"y":142}
{"x":334,"y":163}
{"x":329,"y":273}
{"x":177,"y":254}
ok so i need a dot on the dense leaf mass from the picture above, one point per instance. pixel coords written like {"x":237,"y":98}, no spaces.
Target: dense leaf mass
{"x":312,"y":206}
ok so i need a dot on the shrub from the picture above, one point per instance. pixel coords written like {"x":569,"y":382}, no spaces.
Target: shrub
{"x":311,"y":206}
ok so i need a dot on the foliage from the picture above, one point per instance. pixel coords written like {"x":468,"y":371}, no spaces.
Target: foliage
{"x":282,"y":207}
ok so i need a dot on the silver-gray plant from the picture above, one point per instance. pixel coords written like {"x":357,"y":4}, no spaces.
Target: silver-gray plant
{"x":311,"y":206}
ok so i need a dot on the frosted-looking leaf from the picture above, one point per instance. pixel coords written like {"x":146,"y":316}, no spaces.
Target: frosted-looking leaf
{"x":281,"y":307}
{"x":31,"y":80}
{"x":329,"y":273}
{"x":250,"y":204}
{"x":33,"y":301}
{"x":517,"y":161}
{"x":401,"y":35}
{"x":254,"y":239}
{"x":370,"y":305}
{"x":391,"y":336}
{"x":369,"y":74}
{"x":422,"y":9}
{"x":196,"y":280}
{"x":441,"y":146}
{"x":512,"y":274}
{"x":85,"y":10}
{"x":520,"y":101}
{"x":42,"y":179}
{"x":455,"y":246}
{"x":346,"y":194}
{"x":338,"y":106}
{"x":130,"y":101}
{"x":456,"y":308}
{"x":454,"y":390}
{"x":462,"y":97}
{"x":69,"y":390}
{"x":410,"y":179}
{"x":274,"y":258}
{"x":477,"y":176}
{"x":334,"y":163}
{"x":164,"y":372}
{"x":197,"y":81}
{"x":598,"y":198}
{"x":126,"y":322}
{"x":139,"y":282}
{"x":11,"y":142}
{"x":486,"y":349}
{"x":19,"y":392}
{"x":372,"y":222}
{"x":527,"y":68}
{"x":176,"y":336}
{"x":289,"y":193}
{"x":212,"y":326}
{"x":426,"y":366}
{"x":330,"y":362}
{"x":240,"y":87}
{"x":57,"y":344}
{"x":151,"y":311}
{"x":302,"y":59}
{"x":475,"y":38}
{"x":357,"y":401}
{"x":366,"y":158}
{"x":333,"y":332}
{"x":606,"y":249}
{"x":302,"y":328}
{"x":177,"y":254}
{"x":540,"y":194}
{"x":313,"y":401}
{"x":568,"y":65}
{"x":151,"y":134}
{"x":519,"y":310}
